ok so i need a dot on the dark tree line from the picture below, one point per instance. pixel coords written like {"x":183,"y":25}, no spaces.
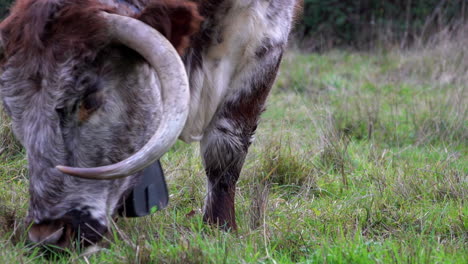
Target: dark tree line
{"x":359,"y":23}
{"x":4,"y":5}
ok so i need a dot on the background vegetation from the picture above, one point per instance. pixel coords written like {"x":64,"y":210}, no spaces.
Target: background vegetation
{"x":364,"y":24}
{"x":361,"y":157}
{"x":4,"y":5}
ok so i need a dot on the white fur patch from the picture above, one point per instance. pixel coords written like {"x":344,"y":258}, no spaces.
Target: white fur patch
{"x":227,"y":66}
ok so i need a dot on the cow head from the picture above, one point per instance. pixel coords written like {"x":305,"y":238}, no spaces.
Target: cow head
{"x":87,"y":88}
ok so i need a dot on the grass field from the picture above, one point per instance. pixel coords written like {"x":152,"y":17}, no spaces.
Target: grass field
{"x":360,"y":158}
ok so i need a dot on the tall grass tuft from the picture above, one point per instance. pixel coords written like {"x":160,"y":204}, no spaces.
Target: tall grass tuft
{"x":282,"y":165}
{"x":9,"y":146}
{"x":333,"y":144}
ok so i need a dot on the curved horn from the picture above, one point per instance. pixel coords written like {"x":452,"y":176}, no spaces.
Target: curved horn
{"x":162,"y":56}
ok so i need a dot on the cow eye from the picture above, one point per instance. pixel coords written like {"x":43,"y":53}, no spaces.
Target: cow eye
{"x":91,"y":98}
{"x":88,"y":105}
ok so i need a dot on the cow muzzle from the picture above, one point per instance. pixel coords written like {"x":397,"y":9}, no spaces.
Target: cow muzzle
{"x":75,"y":228}
{"x":51,"y":233}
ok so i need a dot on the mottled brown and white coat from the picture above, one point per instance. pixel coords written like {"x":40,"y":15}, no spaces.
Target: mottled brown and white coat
{"x":78,"y":99}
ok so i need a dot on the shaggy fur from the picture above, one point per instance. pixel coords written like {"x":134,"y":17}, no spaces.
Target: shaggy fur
{"x":47,"y":32}
{"x":38,"y":32}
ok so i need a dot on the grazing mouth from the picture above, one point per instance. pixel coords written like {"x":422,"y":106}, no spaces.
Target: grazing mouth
{"x":51,"y":233}
{"x":75,"y":228}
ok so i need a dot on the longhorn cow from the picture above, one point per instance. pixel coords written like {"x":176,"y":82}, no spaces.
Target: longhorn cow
{"x":97,"y":90}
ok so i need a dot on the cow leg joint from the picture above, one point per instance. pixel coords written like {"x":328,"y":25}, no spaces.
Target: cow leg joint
{"x":224,"y":149}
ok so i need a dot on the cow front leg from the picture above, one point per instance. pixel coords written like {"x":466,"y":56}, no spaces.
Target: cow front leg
{"x":226,"y":141}
{"x":224,"y":148}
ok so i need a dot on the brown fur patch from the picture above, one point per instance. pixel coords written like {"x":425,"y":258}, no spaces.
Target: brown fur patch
{"x":177,"y":20}
{"x":298,"y":10}
{"x":46,"y":31}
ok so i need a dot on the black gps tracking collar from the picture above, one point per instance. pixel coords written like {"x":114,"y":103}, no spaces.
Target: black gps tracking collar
{"x":149,"y":195}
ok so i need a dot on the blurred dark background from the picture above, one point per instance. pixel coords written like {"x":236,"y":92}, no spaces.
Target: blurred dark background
{"x":366,"y":24}
{"x":4,"y":5}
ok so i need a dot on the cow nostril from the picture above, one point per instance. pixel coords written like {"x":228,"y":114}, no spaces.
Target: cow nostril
{"x":47,"y":233}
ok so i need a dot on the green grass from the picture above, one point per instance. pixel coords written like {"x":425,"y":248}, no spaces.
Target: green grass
{"x":360,"y":158}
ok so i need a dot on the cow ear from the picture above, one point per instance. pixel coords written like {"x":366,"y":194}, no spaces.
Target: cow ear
{"x":176,"y":20}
